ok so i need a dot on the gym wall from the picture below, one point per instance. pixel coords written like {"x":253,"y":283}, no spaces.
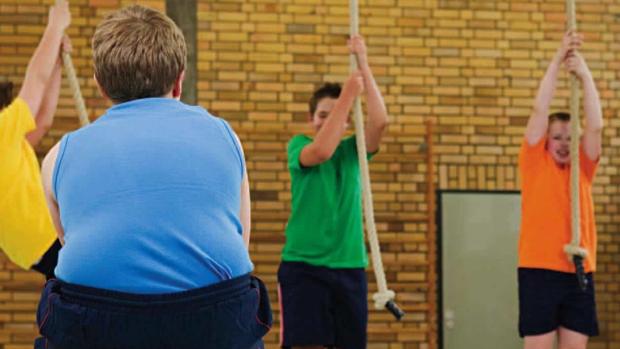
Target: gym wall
{"x":472,"y":66}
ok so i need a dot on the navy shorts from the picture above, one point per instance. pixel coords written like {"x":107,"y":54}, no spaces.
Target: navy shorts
{"x":322,"y":306}
{"x":233,"y":314}
{"x":550,"y":299}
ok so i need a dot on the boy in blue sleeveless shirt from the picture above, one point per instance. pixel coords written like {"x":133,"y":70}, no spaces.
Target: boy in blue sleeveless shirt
{"x":151,"y":202}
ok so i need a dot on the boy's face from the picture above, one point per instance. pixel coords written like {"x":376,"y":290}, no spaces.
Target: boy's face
{"x":323,"y":108}
{"x":558,"y":142}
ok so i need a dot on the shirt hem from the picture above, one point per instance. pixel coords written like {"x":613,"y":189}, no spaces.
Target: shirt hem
{"x":361,"y":265}
{"x":570,"y":269}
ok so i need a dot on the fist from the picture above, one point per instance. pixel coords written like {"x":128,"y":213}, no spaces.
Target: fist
{"x":355,"y":83}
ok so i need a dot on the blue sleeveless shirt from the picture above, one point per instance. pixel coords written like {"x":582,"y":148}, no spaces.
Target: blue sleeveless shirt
{"x":149,"y":199}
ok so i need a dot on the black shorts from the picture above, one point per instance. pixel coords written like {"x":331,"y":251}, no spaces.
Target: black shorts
{"x":48,"y":262}
{"x":322,"y":306}
{"x":550,"y":299}
{"x":233,"y":314}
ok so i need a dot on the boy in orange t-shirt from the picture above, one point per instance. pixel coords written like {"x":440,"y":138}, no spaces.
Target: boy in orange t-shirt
{"x":551,"y":302}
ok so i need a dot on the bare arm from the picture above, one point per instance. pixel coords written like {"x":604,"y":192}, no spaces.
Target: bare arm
{"x":42,"y":63}
{"x":377,"y":112}
{"x":47,"y":171}
{"x":245,"y":213}
{"x":45,"y":117}
{"x":592,"y":136}
{"x":538,"y":122}
{"x":245,"y":210}
{"x":328,"y":137}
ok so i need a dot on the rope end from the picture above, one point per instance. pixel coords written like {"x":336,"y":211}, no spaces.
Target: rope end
{"x":573,"y":250}
{"x":385,"y":300}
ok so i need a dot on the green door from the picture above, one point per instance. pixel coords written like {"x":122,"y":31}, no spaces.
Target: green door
{"x":479,"y":237}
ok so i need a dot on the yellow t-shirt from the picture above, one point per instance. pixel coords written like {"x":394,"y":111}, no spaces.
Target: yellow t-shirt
{"x":26,"y":228}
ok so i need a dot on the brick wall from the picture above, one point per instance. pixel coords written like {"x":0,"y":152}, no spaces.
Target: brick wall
{"x":471,"y":66}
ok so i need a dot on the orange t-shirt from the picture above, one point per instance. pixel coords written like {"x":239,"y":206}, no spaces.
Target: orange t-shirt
{"x":546,"y":212}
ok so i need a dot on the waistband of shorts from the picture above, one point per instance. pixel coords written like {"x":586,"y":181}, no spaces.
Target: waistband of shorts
{"x":198,"y":297}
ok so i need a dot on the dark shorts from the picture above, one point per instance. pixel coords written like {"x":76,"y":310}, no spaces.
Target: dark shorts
{"x":48,"y":262}
{"x":550,"y":299}
{"x":322,"y":306}
{"x":233,"y":314}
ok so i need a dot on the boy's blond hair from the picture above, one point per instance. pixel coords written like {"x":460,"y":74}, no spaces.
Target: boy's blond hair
{"x":138,"y":52}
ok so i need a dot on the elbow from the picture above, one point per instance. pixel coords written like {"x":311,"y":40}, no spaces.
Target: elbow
{"x":539,"y":112}
{"x":44,"y":121}
{"x":594,"y":124}
{"x":45,"y":126}
{"x":322,"y":155}
{"x":597,"y":128}
{"x":315,"y":154}
{"x":378,"y":126}
{"x":383,"y":124}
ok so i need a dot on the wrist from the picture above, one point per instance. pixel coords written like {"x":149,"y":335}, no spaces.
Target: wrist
{"x":586,"y":77}
{"x":559,"y":56}
{"x":54,"y":29}
{"x":56,"y":25}
{"x":364,"y":67}
{"x":347,"y":96}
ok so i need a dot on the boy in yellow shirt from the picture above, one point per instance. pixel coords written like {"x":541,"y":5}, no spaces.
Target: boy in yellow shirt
{"x":26,"y":228}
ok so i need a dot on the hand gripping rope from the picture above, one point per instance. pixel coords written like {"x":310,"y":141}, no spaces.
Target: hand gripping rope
{"x":575,"y":252}
{"x":75,"y":86}
{"x":384,"y":298}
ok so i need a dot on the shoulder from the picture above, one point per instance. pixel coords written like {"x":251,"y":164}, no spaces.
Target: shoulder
{"x":349,"y":140}
{"x":299,"y":139}
{"x":349,"y":144}
{"x":16,"y":116}
{"x":532,"y":153}
{"x":49,"y":161}
{"x":47,"y":168}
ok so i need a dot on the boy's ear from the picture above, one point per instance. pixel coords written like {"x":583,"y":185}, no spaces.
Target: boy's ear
{"x":177,"y":89}
{"x":101,"y":91}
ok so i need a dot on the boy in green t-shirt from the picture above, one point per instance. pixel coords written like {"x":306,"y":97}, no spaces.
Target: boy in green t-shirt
{"x":323,"y":287}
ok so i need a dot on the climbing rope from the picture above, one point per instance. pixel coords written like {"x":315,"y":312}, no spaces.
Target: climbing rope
{"x":574,"y":251}
{"x":75,"y":86}
{"x":383,"y":298}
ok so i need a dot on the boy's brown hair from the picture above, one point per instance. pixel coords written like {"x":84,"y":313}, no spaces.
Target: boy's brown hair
{"x":138,"y":53}
{"x":559,"y":116}
{"x":6,"y":94}
{"x":331,"y":90}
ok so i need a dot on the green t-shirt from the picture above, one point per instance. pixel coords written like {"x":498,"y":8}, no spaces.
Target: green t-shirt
{"x":325,"y":226}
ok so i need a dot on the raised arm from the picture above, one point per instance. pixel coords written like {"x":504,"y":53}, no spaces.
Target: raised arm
{"x":328,"y":137}
{"x":377,"y":112}
{"x":592,"y":135}
{"x":47,"y":171}
{"x":45,"y":117}
{"x":42,"y":64}
{"x":538,"y":122}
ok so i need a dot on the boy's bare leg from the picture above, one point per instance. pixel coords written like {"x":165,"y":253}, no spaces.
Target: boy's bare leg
{"x":569,"y":339}
{"x":542,"y":341}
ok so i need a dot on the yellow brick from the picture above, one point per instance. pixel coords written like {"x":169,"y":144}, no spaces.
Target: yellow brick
{"x":473,"y":68}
